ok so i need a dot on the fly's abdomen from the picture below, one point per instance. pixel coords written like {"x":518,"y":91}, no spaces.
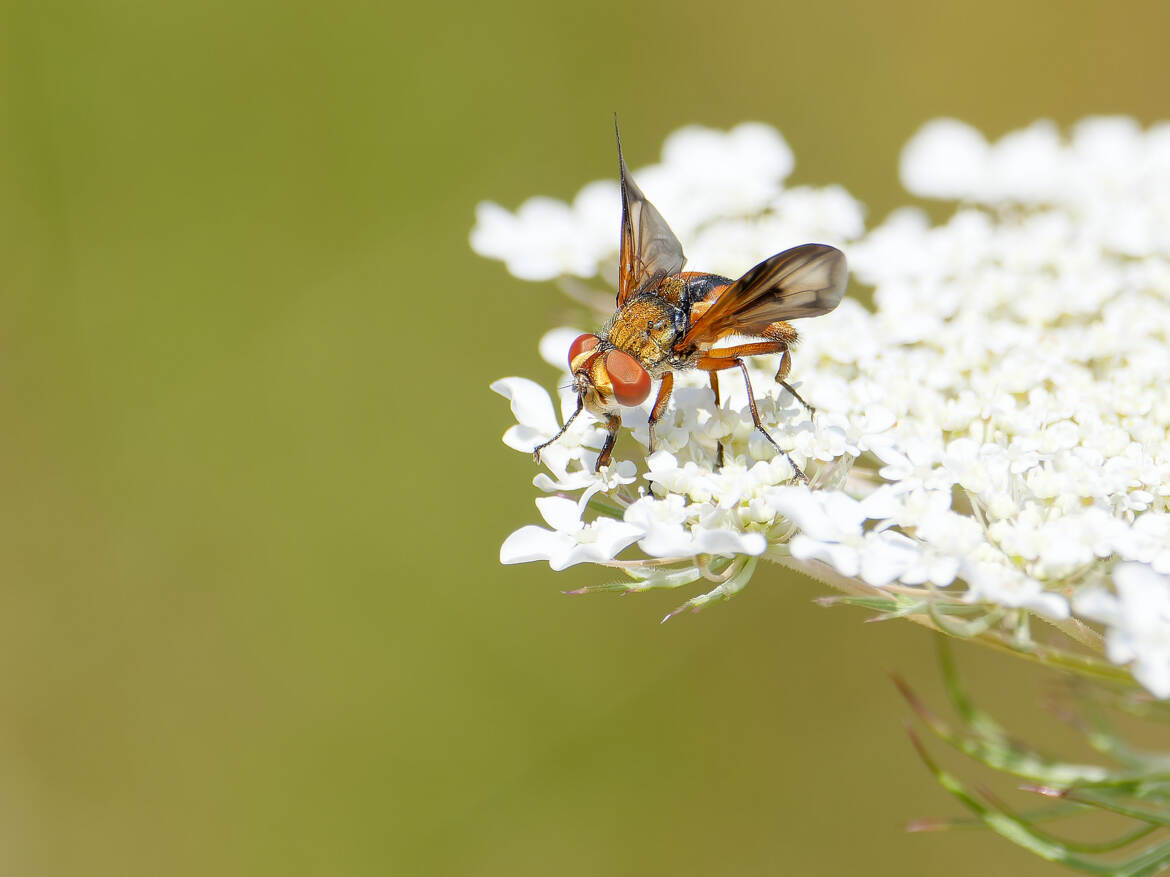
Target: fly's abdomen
{"x":698,"y":286}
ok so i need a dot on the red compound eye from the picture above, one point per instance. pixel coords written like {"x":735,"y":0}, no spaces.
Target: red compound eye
{"x":581,"y":344}
{"x":631,"y":383}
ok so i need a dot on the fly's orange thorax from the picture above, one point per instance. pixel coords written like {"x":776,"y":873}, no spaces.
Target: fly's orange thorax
{"x":646,"y":328}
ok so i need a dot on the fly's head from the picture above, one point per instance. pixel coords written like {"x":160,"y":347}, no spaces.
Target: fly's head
{"x":606,"y":378}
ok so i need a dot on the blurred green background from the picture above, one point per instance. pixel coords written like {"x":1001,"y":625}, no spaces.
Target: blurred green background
{"x":252,"y":619}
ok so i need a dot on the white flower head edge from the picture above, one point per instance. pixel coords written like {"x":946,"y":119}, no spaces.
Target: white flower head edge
{"x":992,"y":435}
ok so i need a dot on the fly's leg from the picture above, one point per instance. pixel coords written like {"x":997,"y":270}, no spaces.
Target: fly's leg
{"x":729,"y":357}
{"x":782,"y":380}
{"x":786,"y":335}
{"x":659,"y":408}
{"x":536,"y":451}
{"x":613,"y":423}
{"x":714,"y":376}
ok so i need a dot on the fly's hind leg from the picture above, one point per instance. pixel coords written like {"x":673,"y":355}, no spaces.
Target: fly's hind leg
{"x":714,"y":376}
{"x":784,"y":334}
{"x":782,"y":380}
{"x":730,"y":358}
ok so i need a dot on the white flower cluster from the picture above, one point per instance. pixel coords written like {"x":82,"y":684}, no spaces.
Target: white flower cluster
{"x":1112,"y":177}
{"x":998,"y":425}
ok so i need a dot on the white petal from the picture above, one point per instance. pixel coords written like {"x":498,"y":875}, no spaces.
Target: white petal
{"x":842,"y":558}
{"x":612,"y":536}
{"x":886,"y":557}
{"x":554,"y":346}
{"x":728,"y":542}
{"x":530,"y":404}
{"x":1136,"y":581}
{"x":1154,"y":675}
{"x":560,"y":513}
{"x":1049,"y":605}
{"x":945,"y":159}
{"x":570,"y":481}
{"x":534,"y":543}
{"x":821,"y":514}
{"x":496,"y":233}
{"x":525,"y":438}
{"x":665,"y":539}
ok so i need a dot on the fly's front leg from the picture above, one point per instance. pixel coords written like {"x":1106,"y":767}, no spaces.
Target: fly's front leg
{"x":660,"y":403}
{"x":613,"y":423}
{"x":723,"y":359}
{"x":536,"y":451}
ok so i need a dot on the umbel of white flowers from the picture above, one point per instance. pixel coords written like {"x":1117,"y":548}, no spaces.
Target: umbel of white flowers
{"x":991,"y":439}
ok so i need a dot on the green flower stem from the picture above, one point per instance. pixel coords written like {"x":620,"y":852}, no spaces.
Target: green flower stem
{"x":1153,"y":818}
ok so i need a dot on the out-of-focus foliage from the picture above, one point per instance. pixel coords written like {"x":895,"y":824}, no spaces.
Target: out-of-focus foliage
{"x":1134,"y":789}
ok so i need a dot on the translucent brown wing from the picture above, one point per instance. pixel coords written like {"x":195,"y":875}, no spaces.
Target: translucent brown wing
{"x":650,"y":250}
{"x":806,"y":281}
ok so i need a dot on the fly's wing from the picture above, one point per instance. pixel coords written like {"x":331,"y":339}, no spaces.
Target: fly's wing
{"x":806,"y":281}
{"x":650,"y":251}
